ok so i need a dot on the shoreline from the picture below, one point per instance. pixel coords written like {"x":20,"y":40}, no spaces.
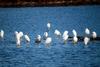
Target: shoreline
{"x":46,"y":4}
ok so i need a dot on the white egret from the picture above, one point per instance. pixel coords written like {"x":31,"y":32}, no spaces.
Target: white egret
{"x":87,"y":31}
{"x":48,"y":25}
{"x":86,"y":40}
{"x":94,"y":34}
{"x":65,"y":33}
{"x":2,"y":34}
{"x":57,"y":33}
{"x":48,"y":41}
{"x":45,"y":35}
{"x":65,"y":36}
{"x":38,"y":39}
{"x":27,"y":38}
{"x":18,"y":40}
{"x":75,"y":39}
{"x":74,"y":33}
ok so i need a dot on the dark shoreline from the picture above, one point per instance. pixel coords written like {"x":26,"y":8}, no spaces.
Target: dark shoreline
{"x":47,"y":4}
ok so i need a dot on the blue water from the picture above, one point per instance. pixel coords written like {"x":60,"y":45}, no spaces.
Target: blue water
{"x":33,"y":20}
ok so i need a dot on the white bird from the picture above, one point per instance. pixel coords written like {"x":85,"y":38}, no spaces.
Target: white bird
{"x":65,"y":33}
{"x":48,"y":41}
{"x":74,"y":33}
{"x":57,"y":33}
{"x":94,"y":34}
{"x":86,"y":40}
{"x":27,"y":38}
{"x":48,"y":25}
{"x":75,"y":39}
{"x":65,"y":36}
{"x":18,"y":38}
{"x":2,"y":34}
{"x":45,"y":35}
{"x":87,"y":31}
{"x":38,"y":39}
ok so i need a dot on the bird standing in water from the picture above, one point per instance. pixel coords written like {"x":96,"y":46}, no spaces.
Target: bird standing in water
{"x":75,"y":38}
{"x":18,"y":38}
{"x":45,"y":35}
{"x":27,"y":38}
{"x":86,"y":40}
{"x":87,"y":32}
{"x":57,"y":33}
{"x":48,"y":41}
{"x":1,"y":34}
{"x":94,"y":34}
{"x":65,"y":36}
{"x":48,"y":25}
{"x":38,"y":39}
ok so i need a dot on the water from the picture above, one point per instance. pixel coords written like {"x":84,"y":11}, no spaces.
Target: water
{"x":32,"y":21}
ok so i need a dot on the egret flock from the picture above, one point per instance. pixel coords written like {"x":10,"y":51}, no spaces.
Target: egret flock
{"x":48,"y":40}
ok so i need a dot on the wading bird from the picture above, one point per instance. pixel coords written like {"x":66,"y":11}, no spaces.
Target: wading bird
{"x":94,"y":34}
{"x":38,"y":39}
{"x":57,"y":33}
{"x":45,"y":35}
{"x":27,"y":38}
{"x":74,"y":33}
{"x":48,"y":41}
{"x":1,"y":34}
{"x":75,"y":38}
{"x":86,"y":40}
{"x":48,"y":25}
{"x":18,"y":41}
{"x":65,"y":36}
{"x":87,"y":31}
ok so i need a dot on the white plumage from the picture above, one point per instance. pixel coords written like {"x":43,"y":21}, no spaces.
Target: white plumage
{"x":86,"y":40}
{"x":75,"y":39}
{"x":57,"y":33}
{"x":65,"y":36}
{"x":27,"y":38}
{"x":38,"y":39}
{"x":87,"y":31}
{"x":2,"y":34}
{"x":18,"y":37}
{"x":18,"y":41}
{"x":74,"y":32}
{"x":45,"y":35}
{"x":65,"y":33}
{"x":48,"y":41}
{"x":48,"y":25}
{"x":94,"y":34}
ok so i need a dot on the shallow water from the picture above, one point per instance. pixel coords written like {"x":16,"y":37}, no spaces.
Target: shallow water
{"x":33,"y":21}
